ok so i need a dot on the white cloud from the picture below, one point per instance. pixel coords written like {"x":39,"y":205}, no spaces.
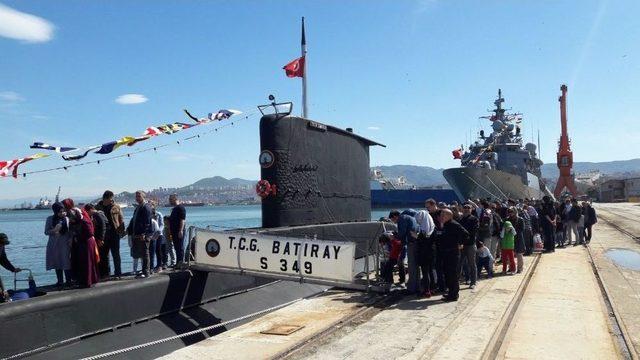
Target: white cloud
{"x":10,"y":96}
{"x":129,"y":99}
{"x":22,"y":26}
{"x":373,"y":128}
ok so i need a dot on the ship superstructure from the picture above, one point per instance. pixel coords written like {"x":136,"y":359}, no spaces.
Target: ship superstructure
{"x":498,"y":166}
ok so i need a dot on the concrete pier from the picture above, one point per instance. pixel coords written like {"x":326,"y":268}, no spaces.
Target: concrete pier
{"x":577,"y":303}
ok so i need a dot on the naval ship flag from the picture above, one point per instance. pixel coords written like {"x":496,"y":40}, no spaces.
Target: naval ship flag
{"x":295,"y":68}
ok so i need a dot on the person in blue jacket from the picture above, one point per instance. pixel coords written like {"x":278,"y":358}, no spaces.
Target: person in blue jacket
{"x":408,"y":235}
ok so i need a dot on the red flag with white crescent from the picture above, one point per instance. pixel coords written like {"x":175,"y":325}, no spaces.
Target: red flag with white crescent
{"x":295,"y":68}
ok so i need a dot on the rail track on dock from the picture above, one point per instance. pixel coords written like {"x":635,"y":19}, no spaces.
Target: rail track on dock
{"x":499,"y":339}
{"x":608,"y":215}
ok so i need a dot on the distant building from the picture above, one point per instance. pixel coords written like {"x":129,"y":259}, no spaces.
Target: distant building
{"x":632,"y":189}
{"x":612,"y":190}
{"x":620,"y":190}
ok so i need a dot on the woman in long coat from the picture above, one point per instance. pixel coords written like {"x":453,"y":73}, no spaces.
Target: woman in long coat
{"x":86,"y":250}
{"x":59,"y":244}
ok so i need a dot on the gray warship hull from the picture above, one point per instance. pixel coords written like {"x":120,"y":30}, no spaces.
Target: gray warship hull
{"x":480,"y":183}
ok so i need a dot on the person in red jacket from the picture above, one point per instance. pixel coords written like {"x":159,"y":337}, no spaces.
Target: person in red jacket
{"x":391,"y":248}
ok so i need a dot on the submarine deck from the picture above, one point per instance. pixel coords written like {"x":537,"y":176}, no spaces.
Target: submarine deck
{"x":579,"y":302}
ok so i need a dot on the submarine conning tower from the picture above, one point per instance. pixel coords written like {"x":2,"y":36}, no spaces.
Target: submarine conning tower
{"x":320,"y":172}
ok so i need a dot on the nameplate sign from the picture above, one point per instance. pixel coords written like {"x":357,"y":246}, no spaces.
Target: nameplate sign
{"x":290,"y":257}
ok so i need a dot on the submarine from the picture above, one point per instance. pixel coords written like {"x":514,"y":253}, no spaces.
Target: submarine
{"x":314,"y":185}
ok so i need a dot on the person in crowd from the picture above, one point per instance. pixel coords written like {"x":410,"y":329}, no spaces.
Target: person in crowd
{"x":408,"y":235}
{"x":160,"y":250}
{"x":581,"y":234}
{"x":4,"y":261}
{"x":560,"y":229}
{"x":500,"y":209}
{"x":140,"y":230}
{"x":87,"y":255}
{"x":170,"y":258}
{"x":177,"y":221}
{"x":456,"y":210}
{"x":573,"y":218}
{"x":391,"y":247}
{"x":99,"y":220}
{"x":451,"y":242}
{"x":70,"y":209}
{"x":484,"y":260}
{"x":495,"y":231}
{"x":434,"y":210}
{"x":527,"y":233}
{"x":58,"y":256}
{"x":468,"y":260}
{"x":507,"y":244}
{"x":485,"y":222}
{"x":564,"y":207}
{"x":519,"y":246}
{"x":548,"y":221}
{"x":153,"y":237}
{"x":115,"y":230}
{"x":590,"y":219}
{"x":153,"y":240}
{"x":426,"y":251}
{"x":531,"y":222}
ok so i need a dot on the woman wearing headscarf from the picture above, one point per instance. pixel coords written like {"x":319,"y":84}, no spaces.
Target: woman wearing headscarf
{"x":86,"y":250}
{"x":59,"y":244}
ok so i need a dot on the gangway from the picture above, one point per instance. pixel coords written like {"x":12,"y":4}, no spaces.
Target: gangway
{"x":344,"y":264}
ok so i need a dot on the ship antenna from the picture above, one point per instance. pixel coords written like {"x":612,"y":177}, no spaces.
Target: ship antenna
{"x":539,"y":151}
{"x":303,"y":45}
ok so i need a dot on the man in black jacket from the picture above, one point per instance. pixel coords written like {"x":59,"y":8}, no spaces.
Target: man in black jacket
{"x":590,"y":219}
{"x":450,"y":243}
{"x":470,"y":223}
{"x":140,"y":230}
{"x":573,"y":218}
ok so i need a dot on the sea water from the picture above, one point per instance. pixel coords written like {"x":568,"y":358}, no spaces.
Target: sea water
{"x":28,"y":247}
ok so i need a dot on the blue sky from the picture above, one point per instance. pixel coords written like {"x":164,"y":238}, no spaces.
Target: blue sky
{"x":412,"y":75}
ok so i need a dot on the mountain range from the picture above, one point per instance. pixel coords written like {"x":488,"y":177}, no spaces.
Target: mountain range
{"x":428,"y":176}
{"x":218,"y":189}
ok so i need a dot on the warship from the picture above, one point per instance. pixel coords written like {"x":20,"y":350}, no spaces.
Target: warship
{"x":497,"y":166}
{"x":321,"y":174}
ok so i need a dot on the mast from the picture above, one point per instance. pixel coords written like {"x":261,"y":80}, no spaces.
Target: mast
{"x":303,"y":45}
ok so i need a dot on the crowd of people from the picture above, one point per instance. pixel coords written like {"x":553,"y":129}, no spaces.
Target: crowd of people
{"x":83,"y":239}
{"x":446,"y":244}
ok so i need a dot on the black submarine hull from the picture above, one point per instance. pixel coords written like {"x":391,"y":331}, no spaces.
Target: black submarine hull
{"x":323,"y":192}
{"x":87,"y":322}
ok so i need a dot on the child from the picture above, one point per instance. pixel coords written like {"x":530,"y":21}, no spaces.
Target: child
{"x":484,"y":259}
{"x":391,"y":247}
{"x":507,"y":243}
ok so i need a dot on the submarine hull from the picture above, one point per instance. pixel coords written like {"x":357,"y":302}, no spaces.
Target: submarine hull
{"x":321,"y":176}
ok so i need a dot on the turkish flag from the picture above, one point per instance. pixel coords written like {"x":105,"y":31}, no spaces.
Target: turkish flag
{"x":457,"y":153}
{"x":295,"y":68}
